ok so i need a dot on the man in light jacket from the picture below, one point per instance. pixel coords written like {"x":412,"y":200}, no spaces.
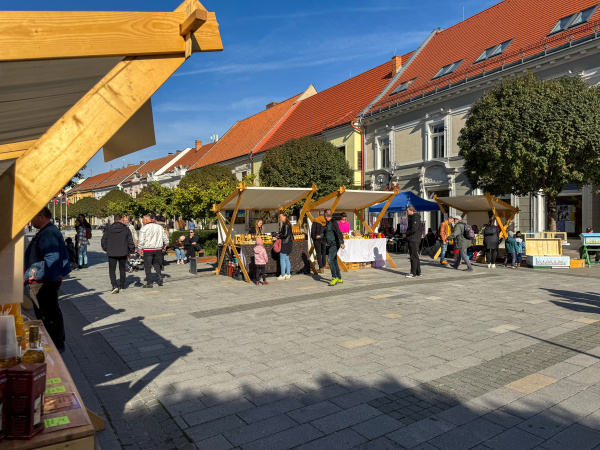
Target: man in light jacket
{"x":461,"y":243}
{"x":152,"y":240}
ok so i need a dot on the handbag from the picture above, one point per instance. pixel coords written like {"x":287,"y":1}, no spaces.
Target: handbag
{"x":277,"y":246}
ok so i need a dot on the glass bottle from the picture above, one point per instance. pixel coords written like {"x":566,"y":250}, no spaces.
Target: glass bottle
{"x":35,"y":352}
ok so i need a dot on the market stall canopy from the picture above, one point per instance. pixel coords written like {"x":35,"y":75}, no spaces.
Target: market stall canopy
{"x":264,"y":198}
{"x":350,"y":200}
{"x":403,"y":200}
{"x":74,"y":82}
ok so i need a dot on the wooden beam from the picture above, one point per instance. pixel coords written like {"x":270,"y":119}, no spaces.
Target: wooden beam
{"x":193,"y":22}
{"x":234,"y":194}
{"x":325,"y":199}
{"x":72,"y":141}
{"x":67,"y":34}
{"x":15,"y":150}
{"x":304,"y":209}
{"x":440,"y":204}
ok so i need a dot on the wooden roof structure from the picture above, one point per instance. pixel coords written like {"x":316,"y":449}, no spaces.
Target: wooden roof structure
{"x":70,"y":82}
{"x":74,"y":82}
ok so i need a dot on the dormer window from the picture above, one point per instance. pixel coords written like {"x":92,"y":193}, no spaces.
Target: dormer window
{"x":404,"y":86}
{"x":447,"y":70}
{"x":494,"y":51}
{"x":573,"y":20}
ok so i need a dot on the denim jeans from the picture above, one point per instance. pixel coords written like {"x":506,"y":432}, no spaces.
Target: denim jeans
{"x":284,"y":261}
{"x":82,"y":254}
{"x":180,"y":252}
{"x":443,"y":251}
{"x":333,"y":262}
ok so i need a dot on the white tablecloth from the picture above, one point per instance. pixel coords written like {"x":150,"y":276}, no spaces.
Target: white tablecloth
{"x":363,"y":250}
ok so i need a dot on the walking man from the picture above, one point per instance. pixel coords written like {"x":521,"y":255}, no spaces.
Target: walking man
{"x":443,"y":237}
{"x":335,"y":240}
{"x":46,"y":263}
{"x":117,"y":242}
{"x":317,"y":234}
{"x":153,"y":239}
{"x":461,"y":243}
{"x":414,"y":234}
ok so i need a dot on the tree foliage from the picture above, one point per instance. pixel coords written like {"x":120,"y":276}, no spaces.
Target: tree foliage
{"x":302,"y":162}
{"x":196,"y":203}
{"x":106,"y":203}
{"x":87,"y":206}
{"x":156,"y":199}
{"x":529,"y":135}
{"x":204,"y":176}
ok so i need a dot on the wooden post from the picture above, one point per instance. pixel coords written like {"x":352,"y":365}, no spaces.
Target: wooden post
{"x":240,"y":192}
{"x":307,"y":204}
{"x":312,"y":248}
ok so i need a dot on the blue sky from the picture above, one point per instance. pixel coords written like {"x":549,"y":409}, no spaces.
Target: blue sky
{"x":272,"y":51}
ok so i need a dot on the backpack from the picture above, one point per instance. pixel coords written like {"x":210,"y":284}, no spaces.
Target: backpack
{"x":88,"y":233}
{"x":469,"y":233}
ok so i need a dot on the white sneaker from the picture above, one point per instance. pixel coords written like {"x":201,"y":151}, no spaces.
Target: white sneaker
{"x":281,"y":277}
{"x":410,"y":275}
{"x":489,"y":266}
{"x":493,"y":266}
{"x":288,"y":277}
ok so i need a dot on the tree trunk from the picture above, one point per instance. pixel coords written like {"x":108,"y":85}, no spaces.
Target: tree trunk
{"x":552,"y":212}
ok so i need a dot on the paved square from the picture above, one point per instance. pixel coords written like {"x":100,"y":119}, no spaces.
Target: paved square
{"x":495,"y":359}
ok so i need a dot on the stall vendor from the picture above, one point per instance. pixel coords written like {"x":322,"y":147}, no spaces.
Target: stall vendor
{"x":344,"y":224}
{"x":259,"y":227}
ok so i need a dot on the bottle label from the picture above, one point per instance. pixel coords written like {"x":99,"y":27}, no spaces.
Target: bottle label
{"x":37,"y":411}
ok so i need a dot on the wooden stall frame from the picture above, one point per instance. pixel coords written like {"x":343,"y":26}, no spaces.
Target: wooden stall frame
{"x":513,"y":211}
{"x":228,"y":241}
{"x":338,"y":196}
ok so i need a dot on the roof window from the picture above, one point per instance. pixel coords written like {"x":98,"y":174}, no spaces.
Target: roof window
{"x":446,"y":70}
{"x":573,"y":20}
{"x":404,"y":86}
{"x":494,"y":51}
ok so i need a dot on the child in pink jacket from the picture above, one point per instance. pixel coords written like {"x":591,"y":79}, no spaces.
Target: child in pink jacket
{"x":260,"y":261}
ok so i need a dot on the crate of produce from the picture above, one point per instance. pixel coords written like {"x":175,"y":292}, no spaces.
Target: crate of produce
{"x":352,"y":266}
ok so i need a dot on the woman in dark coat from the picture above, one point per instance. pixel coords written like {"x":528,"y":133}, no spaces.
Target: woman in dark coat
{"x":491,"y":240}
{"x":287,"y":244}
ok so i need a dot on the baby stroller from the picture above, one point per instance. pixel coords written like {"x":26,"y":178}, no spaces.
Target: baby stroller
{"x":73,"y":260}
{"x":135,"y":263}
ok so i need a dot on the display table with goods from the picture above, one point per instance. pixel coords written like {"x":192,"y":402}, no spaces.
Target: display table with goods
{"x":356,"y":202}
{"x":236,"y":256}
{"x":590,"y":244}
{"x":38,"y":398}
{"x":370,"y":248}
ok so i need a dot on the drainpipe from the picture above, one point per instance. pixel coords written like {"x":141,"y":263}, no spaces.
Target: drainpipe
{"x":252,"y":159}
{"x":362,"y":152}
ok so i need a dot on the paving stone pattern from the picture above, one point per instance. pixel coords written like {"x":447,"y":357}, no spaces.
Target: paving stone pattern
{"x":495,"y":359}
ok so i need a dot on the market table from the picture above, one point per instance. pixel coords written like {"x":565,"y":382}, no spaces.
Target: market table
{"x":298,"y":258}
{"x":65,"y":428}
{"x":363,"y":250}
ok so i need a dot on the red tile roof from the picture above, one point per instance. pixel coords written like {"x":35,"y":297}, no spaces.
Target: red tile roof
{"x":527,"y":22}
{"x":191,"y":157}
{"x":118,"y":176}
{"x":246,"y":134}
{"x":91,"y":182}
{"x":153,"y":165}
{"x":332,"y":107}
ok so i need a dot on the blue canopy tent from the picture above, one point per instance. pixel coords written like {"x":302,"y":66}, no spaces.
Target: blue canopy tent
{"x":404,"y":199}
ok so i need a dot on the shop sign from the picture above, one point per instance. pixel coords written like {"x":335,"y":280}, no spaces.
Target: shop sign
{"x":550,"y":261}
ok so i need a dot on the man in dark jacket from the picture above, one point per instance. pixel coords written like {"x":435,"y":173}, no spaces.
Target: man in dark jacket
{"x":317,"y":234}
{"x":461,"y":243}
{"x":46,"y":263}
{"x":335,"y":240}
{"x":414,"y":234}
{"x":117,"y":242}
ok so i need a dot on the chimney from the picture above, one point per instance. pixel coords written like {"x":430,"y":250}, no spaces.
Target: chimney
{"x":130,"y":165}
{"x":396,"y":64}
{"x":270,"y":105}
{"x":198,"y":145}
{"x":142,"y":162}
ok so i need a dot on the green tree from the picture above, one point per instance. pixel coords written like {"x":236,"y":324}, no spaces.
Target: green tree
{"x":156,"y":199}
{"x":302,"y":162}
{"x":107,"y":203}
{"x":196,"y":203}
{"x":204,"y":176}
{"x":528,"y":136}
{"x":87,"y":206}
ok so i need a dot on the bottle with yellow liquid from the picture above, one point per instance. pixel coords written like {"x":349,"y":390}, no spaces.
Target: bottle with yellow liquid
{"x":35,"y":352}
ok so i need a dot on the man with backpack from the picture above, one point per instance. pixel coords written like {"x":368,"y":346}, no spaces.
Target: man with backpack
{"x":462,"y":236}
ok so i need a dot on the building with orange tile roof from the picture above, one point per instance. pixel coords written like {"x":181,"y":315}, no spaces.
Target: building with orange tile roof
{"x":234,"y":149}
{"x":411,"y":128}
{"x":150,"y":172}
{"x":329,"y":114}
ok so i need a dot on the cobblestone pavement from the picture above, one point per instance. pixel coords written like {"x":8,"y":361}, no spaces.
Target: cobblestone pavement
{"x":493,"y":359}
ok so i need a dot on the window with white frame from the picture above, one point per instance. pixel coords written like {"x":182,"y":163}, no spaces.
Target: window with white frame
{"x":384,"y":153}
{"x":438,"y":141}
